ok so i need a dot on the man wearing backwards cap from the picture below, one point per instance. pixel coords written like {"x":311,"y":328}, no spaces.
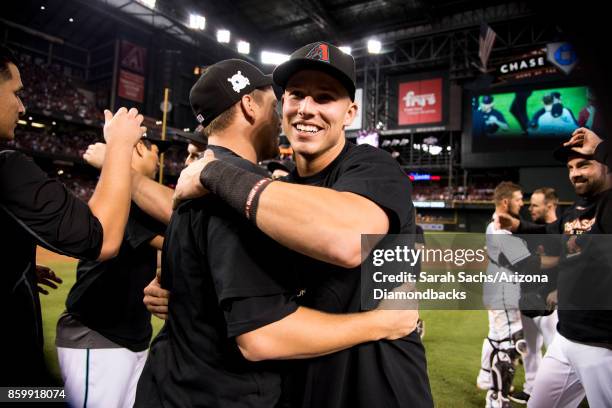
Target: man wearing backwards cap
{"x":579,"y":360}
{"x":338,"y":192}
{"x":232,"y":303}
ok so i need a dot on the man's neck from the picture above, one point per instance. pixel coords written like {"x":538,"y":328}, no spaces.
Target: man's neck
{"x":307,"y":166}
{"x":550,"y":217}
{"x":236,"y":141}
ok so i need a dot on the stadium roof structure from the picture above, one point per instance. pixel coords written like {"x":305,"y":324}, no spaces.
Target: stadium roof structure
{"x":274,"y":25}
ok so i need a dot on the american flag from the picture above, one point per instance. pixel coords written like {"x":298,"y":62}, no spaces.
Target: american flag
{"x":486,"y":40}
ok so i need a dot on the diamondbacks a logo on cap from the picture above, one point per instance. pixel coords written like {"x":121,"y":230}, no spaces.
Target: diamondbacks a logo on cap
{"x":238,"y":81}
{"x":200,"y":118}
{"x":319,"y":52}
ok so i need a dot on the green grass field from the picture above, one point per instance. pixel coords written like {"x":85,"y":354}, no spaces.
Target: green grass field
{"x":453,"y":341}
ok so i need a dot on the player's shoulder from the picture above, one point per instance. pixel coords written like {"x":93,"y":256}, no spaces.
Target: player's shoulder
{"x":366,"y":154}
{"x":492,"y":230}
{"x":12,"y":157}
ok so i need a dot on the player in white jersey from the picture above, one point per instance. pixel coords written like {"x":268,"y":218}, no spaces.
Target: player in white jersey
{"x":504,"y":343}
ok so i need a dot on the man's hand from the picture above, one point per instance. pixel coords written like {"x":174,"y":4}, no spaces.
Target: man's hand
{"x":506,"y":221}
{"x":583,"y":141}
{"x":94,"y":156}
{"x":552,"y":300}
{"x":47,"y":277}
{"x":398,"y":317}
{"x":156,"y":299}
{"x":123,"y":127}
{"x":188,"y":185}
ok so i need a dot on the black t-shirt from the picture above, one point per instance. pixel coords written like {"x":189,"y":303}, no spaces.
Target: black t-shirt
{"x":123,"y":320}
{"x":34,"y":210}
{"x":226,"y":278}
{"x":583,"y":281}
{"x":375,"y":374}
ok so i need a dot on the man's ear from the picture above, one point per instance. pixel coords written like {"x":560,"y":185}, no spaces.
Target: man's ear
{"x":249,"y":107}
{"x":139,"y":148}
{"x":351,"y":113}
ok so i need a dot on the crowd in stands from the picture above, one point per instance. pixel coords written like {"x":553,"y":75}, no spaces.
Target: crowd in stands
{"x":47,"y":89}
{"x":423,"y":192}
{"x":72,"y":146}
{"x":56,"y":144}
{"x":81,"y":185}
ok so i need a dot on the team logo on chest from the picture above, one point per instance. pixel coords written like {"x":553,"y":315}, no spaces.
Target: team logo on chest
{"x":238,"y":81}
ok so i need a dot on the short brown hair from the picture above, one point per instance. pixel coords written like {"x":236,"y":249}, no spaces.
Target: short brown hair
{"x":504,"y":190}
{"x":549,"y":193}
{"x":225,"y":119}
{"x":6,"y":57}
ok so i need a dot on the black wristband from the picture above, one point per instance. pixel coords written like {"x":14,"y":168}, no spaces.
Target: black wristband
{"x":239,"y":188}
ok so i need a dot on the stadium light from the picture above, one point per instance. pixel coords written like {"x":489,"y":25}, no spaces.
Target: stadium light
{"x":71,"y":19}
{"x":273,"y":58}
{"x":244,"y":47}
{"x":223,"y":36}
{"x":197,"y":22}
{"x":374,"y":46}
{"x":149,"y":3}
{"x":435,"y":150}
{"x":346,"y":50}
{"x":37,"y":125}
{"x":22,"y":122}
{"x":42,"y":7}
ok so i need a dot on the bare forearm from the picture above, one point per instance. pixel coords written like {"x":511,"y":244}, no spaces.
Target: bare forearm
{"x":549,"y":261}
{"x":157,"y":242}
{"x":110,"y":202}
{"x":309,"y":333}
{"x":319,"y":222}
{"x":151,"y":197}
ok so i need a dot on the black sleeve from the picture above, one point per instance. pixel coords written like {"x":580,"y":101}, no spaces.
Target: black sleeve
{"x":500,"y":116}
{"x":603,"y":153}
{"x":247,"y":314}
{"x":536,"y":117}
{"x":373,"y":174}
{"x":46,"y":209}
{"x":141,"y":228}
{"x":251,"y":282}
{"x":527,"y":227}
{"x":604,"y":213}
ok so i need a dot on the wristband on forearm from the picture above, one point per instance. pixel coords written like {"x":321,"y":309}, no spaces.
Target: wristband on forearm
{"x":239,"y":188}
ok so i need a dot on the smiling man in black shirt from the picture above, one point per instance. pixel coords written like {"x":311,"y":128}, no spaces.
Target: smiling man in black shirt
{"x":338,"y":192}
{"x":233,"y":290}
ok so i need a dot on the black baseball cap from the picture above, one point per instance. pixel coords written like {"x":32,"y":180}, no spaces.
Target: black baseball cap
{"x":564,"y":153}
{"x":162,"y":145}
{"x":196,"y":136}
{"x":319,"y":56}
{"x":222,"y":85}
